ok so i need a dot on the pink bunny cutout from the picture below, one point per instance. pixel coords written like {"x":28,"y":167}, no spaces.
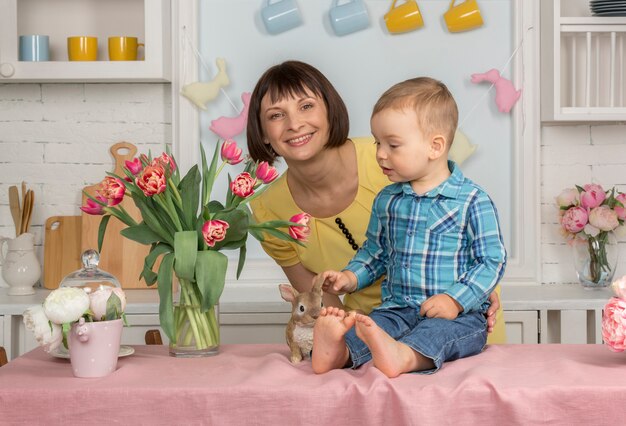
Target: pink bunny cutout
{"x":506,"y":95}
{"x":229,"y":127}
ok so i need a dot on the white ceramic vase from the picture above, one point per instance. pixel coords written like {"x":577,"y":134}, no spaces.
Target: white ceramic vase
{"x":20,"y":267}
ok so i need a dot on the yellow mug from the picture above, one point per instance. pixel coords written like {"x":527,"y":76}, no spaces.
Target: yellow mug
{"x":464,"y":16}
{"x":123,"y":48}
{"x":82,"y":48}
{"x":403,"y":18}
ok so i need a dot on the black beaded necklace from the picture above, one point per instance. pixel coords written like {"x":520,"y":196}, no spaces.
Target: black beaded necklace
{"x":347,"y":234}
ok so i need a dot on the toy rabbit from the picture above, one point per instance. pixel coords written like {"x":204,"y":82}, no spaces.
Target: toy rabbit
{"x":506,"y":95}
{"x":306,"y":308}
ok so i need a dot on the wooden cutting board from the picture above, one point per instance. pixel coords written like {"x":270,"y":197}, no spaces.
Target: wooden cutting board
{"x":120,"y":256}
{"x":61,"y":249}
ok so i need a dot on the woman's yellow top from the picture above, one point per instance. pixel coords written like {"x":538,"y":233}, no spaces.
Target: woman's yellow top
{"x":327,"y":247}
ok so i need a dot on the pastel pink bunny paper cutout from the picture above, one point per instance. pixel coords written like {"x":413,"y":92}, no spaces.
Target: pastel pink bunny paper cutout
{"x":506,"y":94}
{"x":229,"y":127}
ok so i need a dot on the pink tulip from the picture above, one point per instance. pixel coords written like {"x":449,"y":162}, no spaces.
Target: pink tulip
{"x":574,"y":219}
{"x":134,"y":166}
{"x":93,"y":208}
{"x":265,"y":172}
{"x":214,"y":231}
{"x":152,"y":180}
{"x":621,"y":210}
{"x":165,"y":161}
{"x":300,"y":233}
{"x":614,"y":324}
{"x":243,"y":185}
{"x":592,"y":196}
{"x":230,"y":152}
{"x":568,"y":197}
{"x":113,"y":190}
{"x":604,"y":218}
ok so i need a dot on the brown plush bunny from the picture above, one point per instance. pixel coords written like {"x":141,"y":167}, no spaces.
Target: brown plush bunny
{"x":305,"y":310}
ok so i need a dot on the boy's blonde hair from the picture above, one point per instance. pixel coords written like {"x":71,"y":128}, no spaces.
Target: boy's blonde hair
{"x":433,"y":103}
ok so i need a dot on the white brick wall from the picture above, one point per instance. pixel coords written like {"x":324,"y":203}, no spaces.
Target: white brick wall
{"x":576,"y":154}
{"x":56,"y":138}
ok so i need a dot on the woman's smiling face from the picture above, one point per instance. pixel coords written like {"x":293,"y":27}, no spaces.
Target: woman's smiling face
{"x":297,"y":126}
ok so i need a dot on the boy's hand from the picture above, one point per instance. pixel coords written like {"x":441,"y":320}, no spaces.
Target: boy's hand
{"x":440,"y":306}
{"x":336,"y":282}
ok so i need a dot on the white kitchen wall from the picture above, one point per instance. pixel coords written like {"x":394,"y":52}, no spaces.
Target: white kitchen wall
{"x":56,"y":138}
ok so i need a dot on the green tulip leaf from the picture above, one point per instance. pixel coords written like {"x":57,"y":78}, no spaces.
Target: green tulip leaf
{"x":166,"y":305}
{"x":210,"y":276}
{"x":141,"y":233}
{"x":190,"y":195}
{"x":185,"y":250}
{"x":101,"y":230}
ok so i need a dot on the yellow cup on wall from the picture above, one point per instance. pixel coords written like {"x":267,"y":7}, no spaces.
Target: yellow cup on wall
{"x":403,"y":18}
{"x":463,"y":16}
{"x":82,"y":48}
{"x":123,"y":48}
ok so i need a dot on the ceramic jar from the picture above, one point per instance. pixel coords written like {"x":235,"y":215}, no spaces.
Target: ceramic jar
{"x":20,"y":267}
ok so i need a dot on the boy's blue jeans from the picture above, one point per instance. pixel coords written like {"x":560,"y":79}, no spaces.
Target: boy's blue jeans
{"x":435,"y":338}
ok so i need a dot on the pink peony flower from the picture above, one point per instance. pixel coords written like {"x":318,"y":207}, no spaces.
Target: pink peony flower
{"x":614,"y":324}
{"x":214,"y":231}
{"x":113,"y":190}
{"x":568,"y":197}
{"x":165,"y":161}
{"x":134,"y":166}
{"x":621,"y":210}
{"x":619,"y":287}
{"x":230,"y":152}
{"x":300,"y":233}
{"x":592,"y":196}
{"x":243,"y":185}
{"x":604,"y":218}
{"x":152,"y":180}
{"x":91,"y":207}
{"x":265,"y":172}
{"x":574,"y":219}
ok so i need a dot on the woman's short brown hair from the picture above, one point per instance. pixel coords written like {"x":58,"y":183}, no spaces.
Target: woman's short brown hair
{"x":289,"y":79}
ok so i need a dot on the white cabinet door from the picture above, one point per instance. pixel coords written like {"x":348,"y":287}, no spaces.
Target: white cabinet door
{"x":521,"y":326}
{"x":135,"y":333}
{"x":253,"y":327}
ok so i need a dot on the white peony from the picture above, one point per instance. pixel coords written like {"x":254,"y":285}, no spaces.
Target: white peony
{"x":99,"y":300}
{"x":48,"y":335}
{"x":66,"y":305}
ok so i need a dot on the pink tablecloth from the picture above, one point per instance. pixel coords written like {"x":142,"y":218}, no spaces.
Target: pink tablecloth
{"x":256,"y":384}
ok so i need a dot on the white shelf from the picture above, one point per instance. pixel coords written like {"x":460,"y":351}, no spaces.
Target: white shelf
{"x":149,"y":20}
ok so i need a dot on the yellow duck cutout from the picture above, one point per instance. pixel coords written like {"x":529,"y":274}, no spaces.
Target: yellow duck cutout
{"x":201,"y":93}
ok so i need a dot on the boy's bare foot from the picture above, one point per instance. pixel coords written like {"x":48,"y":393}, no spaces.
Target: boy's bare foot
{"x":329,"y":346}
{"x":389,"y":356}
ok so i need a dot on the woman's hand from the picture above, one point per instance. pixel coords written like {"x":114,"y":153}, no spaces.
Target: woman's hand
{"x":491,"y":312}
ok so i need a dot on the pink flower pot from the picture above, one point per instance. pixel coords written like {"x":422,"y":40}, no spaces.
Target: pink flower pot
{"x":94,"y":347}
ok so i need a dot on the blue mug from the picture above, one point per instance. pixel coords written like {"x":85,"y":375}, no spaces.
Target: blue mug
{"x":348,"y":17}
{"x":34,"y":48}
{"x":280,"y":16}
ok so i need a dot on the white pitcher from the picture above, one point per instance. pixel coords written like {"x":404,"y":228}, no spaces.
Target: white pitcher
{"x":20,"y":267}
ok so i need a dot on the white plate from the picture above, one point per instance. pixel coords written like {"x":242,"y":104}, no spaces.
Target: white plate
{"x":61,"y":352}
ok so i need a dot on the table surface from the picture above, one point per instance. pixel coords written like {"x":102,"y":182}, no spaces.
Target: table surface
{"x":256,"y":384}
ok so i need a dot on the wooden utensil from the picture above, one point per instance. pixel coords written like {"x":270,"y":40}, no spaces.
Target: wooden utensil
{"x":27,"y":210}
{"x":120,"y":256}
{"x":16,"y":211}
{"x":61,"y":249}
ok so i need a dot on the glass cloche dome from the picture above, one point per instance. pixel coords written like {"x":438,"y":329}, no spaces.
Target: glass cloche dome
{"x":90,"y":278}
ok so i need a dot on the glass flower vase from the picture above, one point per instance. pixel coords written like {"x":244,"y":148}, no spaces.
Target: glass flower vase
{"x":196,"y":333}
{"x":595,"y":260}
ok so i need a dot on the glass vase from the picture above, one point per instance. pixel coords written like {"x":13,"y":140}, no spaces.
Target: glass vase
{"x":595,"y":260}
{"x":197,"y":333}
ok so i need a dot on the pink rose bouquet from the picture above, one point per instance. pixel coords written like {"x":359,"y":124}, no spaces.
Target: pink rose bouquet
{"x":589,"y":218}
{"x":188,"y":231}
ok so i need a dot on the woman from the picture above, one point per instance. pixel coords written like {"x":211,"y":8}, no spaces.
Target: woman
{"x":295,"y":113}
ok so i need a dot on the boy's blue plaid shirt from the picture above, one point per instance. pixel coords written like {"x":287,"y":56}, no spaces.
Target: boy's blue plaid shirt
{"x":445,"y":241}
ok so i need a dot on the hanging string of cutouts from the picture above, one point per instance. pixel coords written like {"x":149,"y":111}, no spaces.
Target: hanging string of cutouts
{"x":506,"y":64}
{"x":187,"y":41}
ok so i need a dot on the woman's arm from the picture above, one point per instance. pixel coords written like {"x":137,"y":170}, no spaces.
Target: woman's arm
{"x":302,"y":280}
{"x":491,"y":312}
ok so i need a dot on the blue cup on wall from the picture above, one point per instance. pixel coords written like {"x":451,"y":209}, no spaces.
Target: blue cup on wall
{"x":348,"y":17}
{"x":34,"y":48}
{"x":280,"y":16}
